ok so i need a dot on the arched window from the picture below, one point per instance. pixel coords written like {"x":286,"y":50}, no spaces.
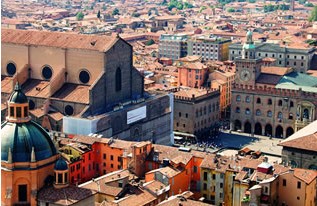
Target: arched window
{"x":258,"y":100}
{"x":269,"y":101}
{"x":269,"y":113}
{"x":213,"y":107}
{"x":196,"y":113}
{"x":258,"y":112}
{"x":291,"y":104}
{"x":118,"y":79}
{"x":238,"y":98}
{"x":247,"y":99}
{"x":290,"y":116}
{"x":280,"y":103}
{"x":280,"y":115}
{"x":247,"y":111}
{"x":238,"y":110}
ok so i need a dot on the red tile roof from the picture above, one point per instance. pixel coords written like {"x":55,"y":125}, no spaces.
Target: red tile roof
{"x":308,"y":142}
{"x":58,"y":39}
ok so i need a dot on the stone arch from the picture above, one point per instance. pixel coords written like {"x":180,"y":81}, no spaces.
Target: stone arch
{"x":268,"y":130}
{"x":247,"y":127}
{"x":258,"y":128}
{"x":289,"y":131}
{"x":237,"y":125}
{"x":22,"y":189}
{"x":279,"y":131}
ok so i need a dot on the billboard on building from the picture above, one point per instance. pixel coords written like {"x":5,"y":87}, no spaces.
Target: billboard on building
{"x":136,"y":115}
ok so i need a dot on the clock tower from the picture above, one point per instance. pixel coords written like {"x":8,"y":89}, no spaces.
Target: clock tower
{"x":248,"y":67}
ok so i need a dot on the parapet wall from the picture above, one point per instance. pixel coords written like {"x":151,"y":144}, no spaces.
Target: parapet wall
{"x":275,"y":91}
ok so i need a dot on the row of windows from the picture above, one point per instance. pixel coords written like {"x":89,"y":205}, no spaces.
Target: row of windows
{"x":269,"y":113}
{"x":215,"y":107}
{"x":258,"y":101}
{"x":273,"y":55}
{"x":111,"y":157}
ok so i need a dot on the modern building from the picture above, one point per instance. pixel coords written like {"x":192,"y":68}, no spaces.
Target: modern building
{"x":196,"y":110}
{"x":298,"y":58}
{"x":209,"y":47}
{"x":173,"y":46}
{"x":82,"y":84}
{"x":271,"y":101}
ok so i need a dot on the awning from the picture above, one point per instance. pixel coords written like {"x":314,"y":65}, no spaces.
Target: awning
{"x":178,"y":138}
{"x":184,"y":134}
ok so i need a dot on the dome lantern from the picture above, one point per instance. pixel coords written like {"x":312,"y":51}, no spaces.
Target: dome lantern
{"x":18,"y":106}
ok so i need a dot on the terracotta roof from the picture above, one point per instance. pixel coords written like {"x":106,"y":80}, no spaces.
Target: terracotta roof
{"x":305,"y":175}
{"x":36,"y":88}
{"x":73,"y":93}
{"x":58,"y":39}
{"x":271,"y":79}
{"x":6,"y":86}
{"x":184,"y":202}
{"x":308,"y":142}
{"x":64,"y":196}
{"x":276,"y":70}
{"x":38,"y":112}
{"x":56,"y":116}
{"x":168,"y":171}
{"x":139,"y":198}
{"x":154,"y":185}
{"x":100,"y":183}
{"x":190,"y":92}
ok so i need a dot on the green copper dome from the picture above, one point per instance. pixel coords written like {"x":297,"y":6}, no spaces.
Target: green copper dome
{"x":21,"y":138}
{"x":60,"y":164}
{"x":18,"y":96}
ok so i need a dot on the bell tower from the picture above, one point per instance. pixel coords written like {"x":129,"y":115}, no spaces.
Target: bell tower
{"x":248,"y":67}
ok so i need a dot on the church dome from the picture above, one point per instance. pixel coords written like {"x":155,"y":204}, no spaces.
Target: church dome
{"x":18,"y":96}
{"x":21,"y":138}
{"x":61,"y":164}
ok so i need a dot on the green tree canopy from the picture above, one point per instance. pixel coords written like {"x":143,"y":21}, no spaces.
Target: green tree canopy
{"x":80,"y":16}
{"x":115,"y":12}
{"x":313,"y":15}
{"x":231,"y":10}
{"x":135,"y":14}
{"x":149,"y":42}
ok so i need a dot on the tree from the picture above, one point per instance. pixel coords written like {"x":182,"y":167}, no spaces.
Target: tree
{"x":104,"y":7}
{"x":231,"y":10}
{"x":252,"y":1}
{"x":149,"y":42}
{"x":313,"y":15}
{"x":164,"y":3}
{"x":115,"y":12}
{"x":309,"y":4}
{"x":98,"y":14}
{"x":135,"y":14}
{"x":80,"y":16}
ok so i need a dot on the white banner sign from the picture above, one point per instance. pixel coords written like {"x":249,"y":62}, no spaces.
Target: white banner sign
{"x":136,"y":114}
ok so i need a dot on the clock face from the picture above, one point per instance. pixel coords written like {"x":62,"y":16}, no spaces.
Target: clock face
{"x":245,"y":75}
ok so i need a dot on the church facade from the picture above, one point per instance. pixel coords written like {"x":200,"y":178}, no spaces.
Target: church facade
{"x":83,"y":78}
